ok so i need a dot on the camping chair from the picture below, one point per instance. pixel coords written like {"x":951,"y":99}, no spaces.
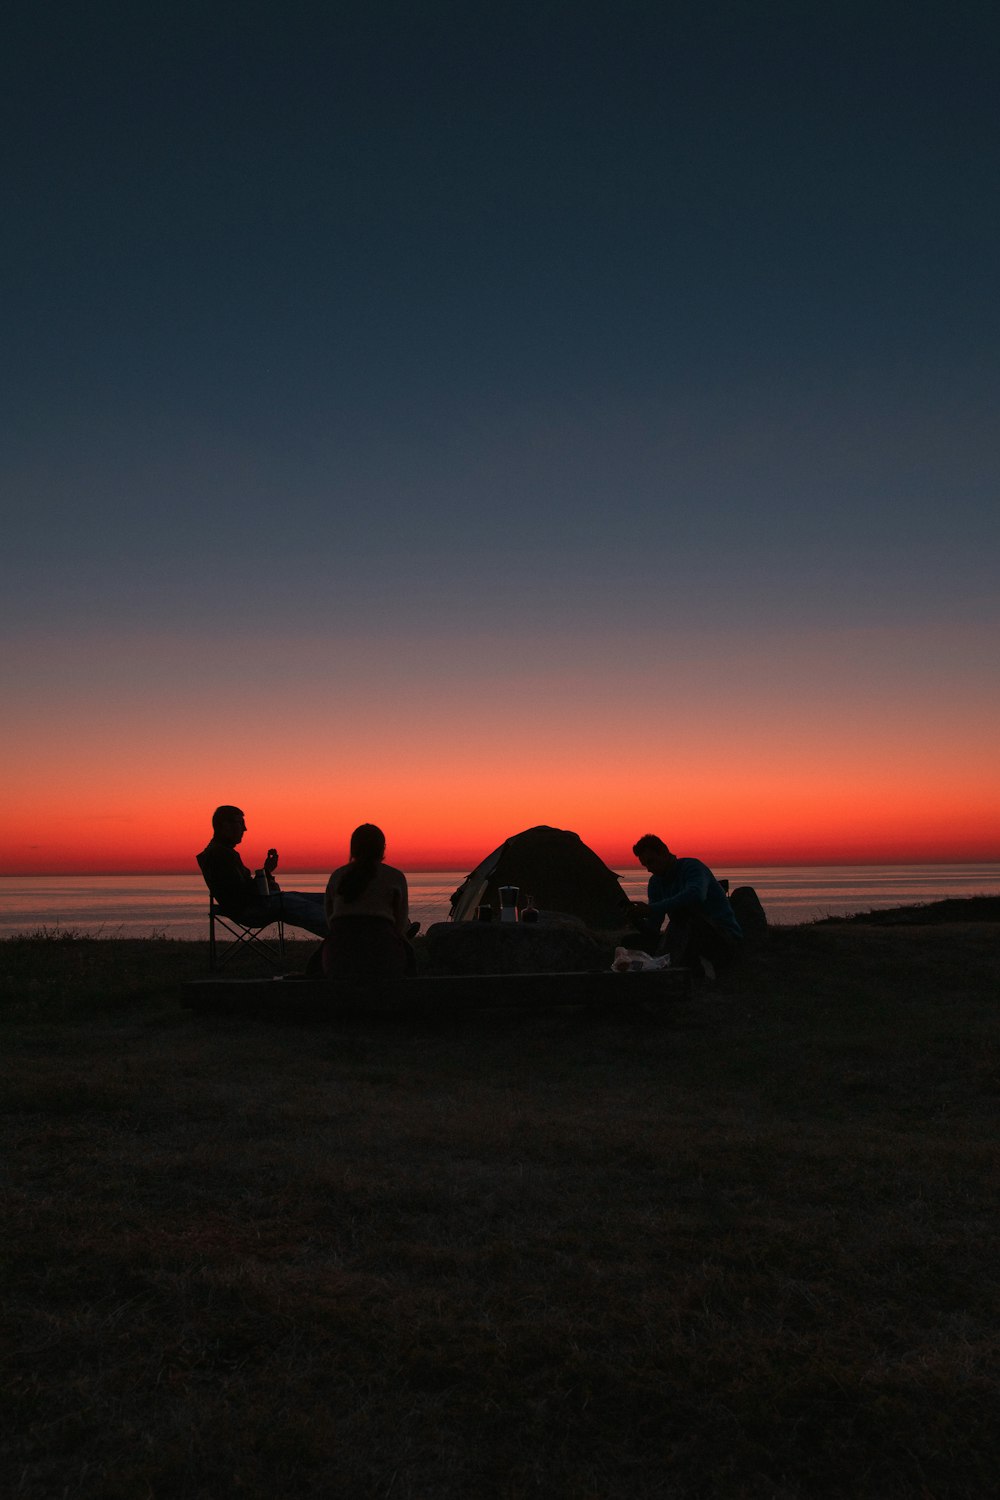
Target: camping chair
{"x":241,"y":937}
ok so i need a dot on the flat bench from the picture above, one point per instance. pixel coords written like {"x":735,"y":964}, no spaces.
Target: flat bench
{"x":294,"y":997}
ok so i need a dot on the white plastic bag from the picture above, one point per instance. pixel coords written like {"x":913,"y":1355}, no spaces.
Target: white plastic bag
{"x":634,"y":961}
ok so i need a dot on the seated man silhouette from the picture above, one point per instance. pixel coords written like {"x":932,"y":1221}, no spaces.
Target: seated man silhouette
{"x":236,"y":890}
{"x":702,"y":925}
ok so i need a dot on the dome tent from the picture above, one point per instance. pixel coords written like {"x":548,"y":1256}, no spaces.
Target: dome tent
{"x":553,"y":866}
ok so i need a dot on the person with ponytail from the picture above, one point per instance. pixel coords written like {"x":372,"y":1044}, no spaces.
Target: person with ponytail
{"x":367,"y":905}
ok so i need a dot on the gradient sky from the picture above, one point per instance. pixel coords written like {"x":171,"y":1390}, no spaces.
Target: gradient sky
{"x":461,"y":419}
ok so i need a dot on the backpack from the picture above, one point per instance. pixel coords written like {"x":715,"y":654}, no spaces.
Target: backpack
{"x":748,"y":911}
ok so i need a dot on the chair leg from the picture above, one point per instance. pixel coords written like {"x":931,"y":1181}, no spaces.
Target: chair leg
{"x":242,"y":937}
{"x":212,"y":959}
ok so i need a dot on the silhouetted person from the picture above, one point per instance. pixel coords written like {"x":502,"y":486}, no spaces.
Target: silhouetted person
{"x":368,"y":906}
{"x":702,"y":924}
{"x":235,"y":888}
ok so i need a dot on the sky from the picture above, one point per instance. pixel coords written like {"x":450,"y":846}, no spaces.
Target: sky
{"x":463,"y":418}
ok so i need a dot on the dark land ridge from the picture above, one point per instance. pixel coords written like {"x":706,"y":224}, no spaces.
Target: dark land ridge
{"x":953,"y":909}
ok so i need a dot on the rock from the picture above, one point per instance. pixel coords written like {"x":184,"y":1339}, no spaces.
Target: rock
{"x":549,"y":947}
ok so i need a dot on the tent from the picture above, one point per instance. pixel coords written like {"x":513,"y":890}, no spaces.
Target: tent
{"x":553,"y":866}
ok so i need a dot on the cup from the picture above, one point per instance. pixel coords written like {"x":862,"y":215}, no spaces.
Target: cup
{"x":508,"y":902}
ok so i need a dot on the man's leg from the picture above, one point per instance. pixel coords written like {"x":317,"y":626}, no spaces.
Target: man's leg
{"x":295,"y":908}
{"x":303,"y":909}
{"x":677,"y":940}
{"x":690,"y":937}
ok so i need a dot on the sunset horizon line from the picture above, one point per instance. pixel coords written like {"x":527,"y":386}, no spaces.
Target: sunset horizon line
{"x":622,"y":867}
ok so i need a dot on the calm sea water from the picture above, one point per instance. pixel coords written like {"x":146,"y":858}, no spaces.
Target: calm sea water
{"x":176,"y":905}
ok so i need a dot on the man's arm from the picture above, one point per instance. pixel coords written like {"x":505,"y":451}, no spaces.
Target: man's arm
{"x":228,"y":879}
{"x":692,"y":891}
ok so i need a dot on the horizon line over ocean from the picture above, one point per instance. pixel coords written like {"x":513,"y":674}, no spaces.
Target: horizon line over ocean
{"x":115,"y":906}
{"x":156,"y":873}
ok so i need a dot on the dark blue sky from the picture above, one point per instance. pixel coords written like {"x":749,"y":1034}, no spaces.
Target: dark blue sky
{"x":386,"y":264}
{"x":607,"y":321}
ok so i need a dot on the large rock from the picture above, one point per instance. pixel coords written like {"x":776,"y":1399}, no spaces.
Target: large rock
{"x":514,"y":948}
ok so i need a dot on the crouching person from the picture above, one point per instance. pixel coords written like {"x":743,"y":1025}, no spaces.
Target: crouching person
{"x":702,"y":927}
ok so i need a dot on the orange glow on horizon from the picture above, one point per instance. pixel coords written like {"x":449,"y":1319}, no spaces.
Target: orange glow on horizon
{"x":812,"y":761}
{"x":166,"y":840}
{"x":451,"y":818}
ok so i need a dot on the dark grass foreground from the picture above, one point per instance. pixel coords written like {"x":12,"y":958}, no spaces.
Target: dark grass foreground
{"x":745,"y":1250}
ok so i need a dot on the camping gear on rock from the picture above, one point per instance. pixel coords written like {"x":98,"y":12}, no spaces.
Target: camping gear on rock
{"x":636,"y":961}
{"x":563,"y":874}
{"x":508,"y":902}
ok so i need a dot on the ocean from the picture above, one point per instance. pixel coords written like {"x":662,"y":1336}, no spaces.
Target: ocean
{"x":176,"y":906}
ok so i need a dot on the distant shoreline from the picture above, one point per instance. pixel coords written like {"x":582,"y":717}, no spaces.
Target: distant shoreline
{"x":174,"y":905}
{"x":954,"y":909}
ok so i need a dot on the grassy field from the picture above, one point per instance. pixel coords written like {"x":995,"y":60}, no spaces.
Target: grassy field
{"x":747,"y":1249}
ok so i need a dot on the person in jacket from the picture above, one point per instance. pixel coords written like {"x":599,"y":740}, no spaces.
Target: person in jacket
{"x":701,"y":924}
